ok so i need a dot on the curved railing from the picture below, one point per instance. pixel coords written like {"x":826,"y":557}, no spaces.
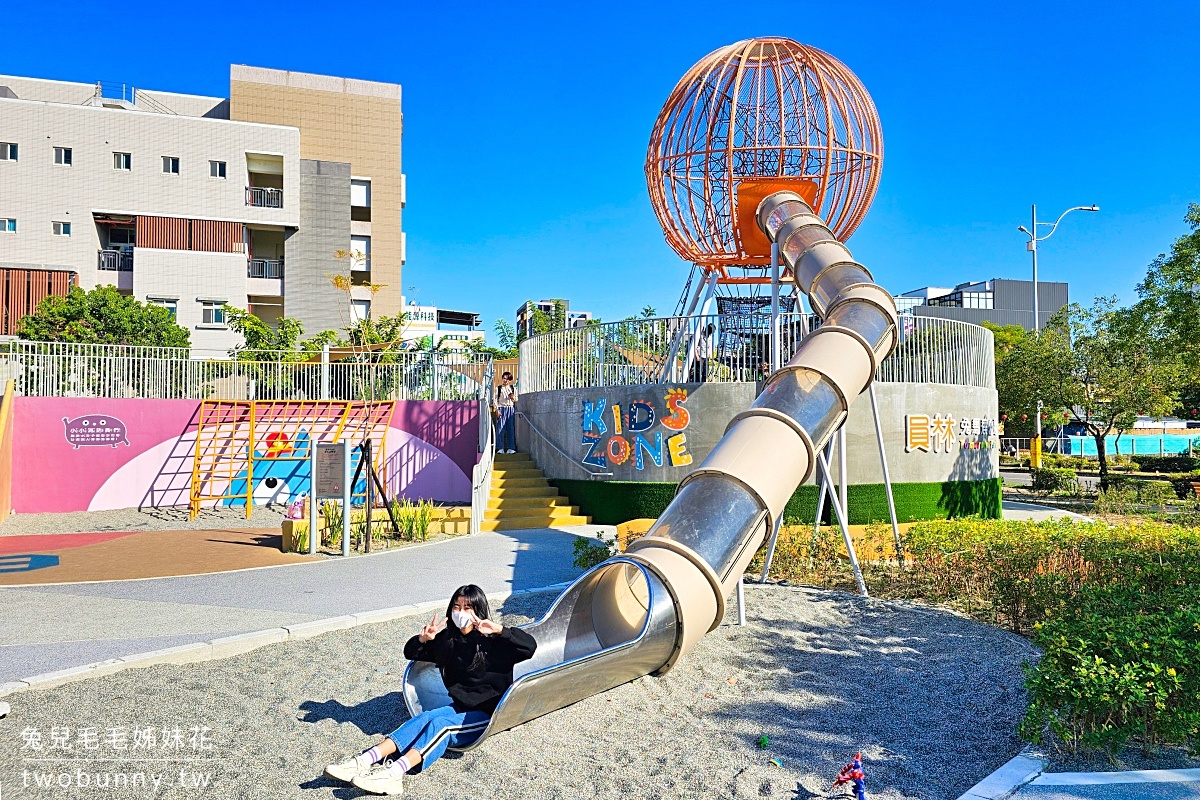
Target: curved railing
{"x":639,"y":351}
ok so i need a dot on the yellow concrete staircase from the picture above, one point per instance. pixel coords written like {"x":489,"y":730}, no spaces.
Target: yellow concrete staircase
{"x":521,"y":497}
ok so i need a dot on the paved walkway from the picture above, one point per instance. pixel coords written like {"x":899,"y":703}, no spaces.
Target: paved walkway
{"x":46,"y":628}
{"x":1159,"y":784}
{"x":1014,"y":509}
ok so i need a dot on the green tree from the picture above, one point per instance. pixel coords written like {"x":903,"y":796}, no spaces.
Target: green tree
{"x":1170,"y":306}
{"x":261,"y":341}
{"x":1006,"y":337}
{"x":648,"y":312}
{"x":102,"y":316}
{"x":1096,"y":365}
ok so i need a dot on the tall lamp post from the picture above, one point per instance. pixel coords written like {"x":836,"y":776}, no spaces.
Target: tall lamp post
{"x":1031,"y":246}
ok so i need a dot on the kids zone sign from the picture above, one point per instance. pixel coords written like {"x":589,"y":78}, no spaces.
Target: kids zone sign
{"x":641,"y":431}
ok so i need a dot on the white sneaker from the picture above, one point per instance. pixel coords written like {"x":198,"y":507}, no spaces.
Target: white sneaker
{"x":381,"y":780}
{"x":348,"y":769}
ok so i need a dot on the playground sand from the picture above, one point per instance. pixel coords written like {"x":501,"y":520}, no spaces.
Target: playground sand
{"x":930,"y":699}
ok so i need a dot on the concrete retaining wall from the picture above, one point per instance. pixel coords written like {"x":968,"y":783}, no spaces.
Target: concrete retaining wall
{"x":575,"y":429}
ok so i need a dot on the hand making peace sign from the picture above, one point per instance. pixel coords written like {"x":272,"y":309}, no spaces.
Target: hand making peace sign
{"x":431,"y":629}
{"x":486,"y":626}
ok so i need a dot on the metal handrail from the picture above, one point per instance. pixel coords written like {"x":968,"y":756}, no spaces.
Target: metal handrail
{"x":638,"y":351}
{"x":481,"y":473}
{"x":556,"y":449}
{"x":115,"y":261}
{"x":264,"y":197}
{"x":264,"y":268}
{"x":63,"y":369}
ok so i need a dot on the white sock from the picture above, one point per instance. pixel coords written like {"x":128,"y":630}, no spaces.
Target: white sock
{"x":400,"y":766}
{"x":368,"y":757}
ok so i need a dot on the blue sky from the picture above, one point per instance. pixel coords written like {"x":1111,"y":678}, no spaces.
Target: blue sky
{"x":526,"y":126}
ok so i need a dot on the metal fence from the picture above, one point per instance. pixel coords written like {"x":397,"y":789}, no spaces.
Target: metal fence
{"x":728,"y":348}
{"x":53,"y":369}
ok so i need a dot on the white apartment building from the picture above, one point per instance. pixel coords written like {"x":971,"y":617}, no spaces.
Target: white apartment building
{"x":168,"y":199}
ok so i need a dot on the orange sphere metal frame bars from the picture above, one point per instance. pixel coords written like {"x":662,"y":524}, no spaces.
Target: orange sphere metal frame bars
{"x":760,"y":109}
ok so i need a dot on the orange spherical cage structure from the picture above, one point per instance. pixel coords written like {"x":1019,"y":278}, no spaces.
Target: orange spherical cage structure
{"x":754,"y":117}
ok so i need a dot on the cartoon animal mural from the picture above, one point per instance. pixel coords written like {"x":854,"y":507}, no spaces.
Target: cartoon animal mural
{"x":282,"y":469}
{"x":631,"y":428}
{"x":144,"y":455}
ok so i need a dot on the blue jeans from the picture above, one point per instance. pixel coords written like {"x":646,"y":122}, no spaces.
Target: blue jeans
{"x":432,"y":731}
{"x":506,"y":429}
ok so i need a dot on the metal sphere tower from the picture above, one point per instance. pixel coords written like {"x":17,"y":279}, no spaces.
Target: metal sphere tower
{"x":749,"y":119}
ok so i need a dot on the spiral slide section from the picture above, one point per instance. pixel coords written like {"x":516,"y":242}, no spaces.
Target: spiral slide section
{"x":639,"y":613}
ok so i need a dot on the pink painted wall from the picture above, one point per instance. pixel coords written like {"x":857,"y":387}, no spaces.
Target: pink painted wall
{"x":147,"y":462}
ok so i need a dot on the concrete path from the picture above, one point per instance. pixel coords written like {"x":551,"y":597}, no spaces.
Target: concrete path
{"x":51,"y":627}
{"x":1158,"y":784}
{"x":1014,"y":509}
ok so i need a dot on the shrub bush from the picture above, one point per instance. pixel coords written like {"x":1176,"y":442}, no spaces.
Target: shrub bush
{"x":1153,"y":492}
{"x":1054,"y":481}
{"x":590,"y":552}
{"x":1168,"y":463}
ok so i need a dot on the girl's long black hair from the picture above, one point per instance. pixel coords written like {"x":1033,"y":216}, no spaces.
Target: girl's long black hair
{"x":473,"y":595}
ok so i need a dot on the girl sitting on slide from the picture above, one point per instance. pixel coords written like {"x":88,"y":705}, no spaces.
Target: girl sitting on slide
{"x":476,"y":657}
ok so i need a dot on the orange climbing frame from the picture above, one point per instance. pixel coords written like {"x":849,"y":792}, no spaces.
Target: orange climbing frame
{"x":230,"y":432}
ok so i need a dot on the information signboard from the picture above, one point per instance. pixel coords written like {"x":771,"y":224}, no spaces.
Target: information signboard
{"x":330,"y":470}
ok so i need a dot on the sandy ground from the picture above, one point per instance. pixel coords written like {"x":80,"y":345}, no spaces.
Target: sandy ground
{"x":931,"y":699}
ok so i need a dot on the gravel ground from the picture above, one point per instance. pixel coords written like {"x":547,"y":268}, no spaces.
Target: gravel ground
{"x":930,"y":698}
{"x":131,"y":519}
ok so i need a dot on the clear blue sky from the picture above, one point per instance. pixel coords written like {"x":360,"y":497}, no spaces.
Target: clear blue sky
{"x":526,"y":125}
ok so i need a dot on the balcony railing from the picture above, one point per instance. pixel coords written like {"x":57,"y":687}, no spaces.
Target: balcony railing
{"x":265,"y":268}
{"x":116,"y":260}
{"x":262,"y":197}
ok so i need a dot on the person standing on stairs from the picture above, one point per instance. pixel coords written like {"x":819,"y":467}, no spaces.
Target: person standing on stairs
{"x":506,"y":424}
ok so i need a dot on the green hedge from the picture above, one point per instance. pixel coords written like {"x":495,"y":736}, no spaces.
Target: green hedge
{"x":613,"y":502}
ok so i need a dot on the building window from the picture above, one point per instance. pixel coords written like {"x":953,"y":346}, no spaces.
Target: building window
{"x":360,"y":200}
{"x":8,"y":151}
{"x":212,"y":312}
{"x":360,"y":310}
{"x":62,"y":155}
{"x":360,"y":193}
{"x":360,"y":248}
{"x":171,"y":306}
{"x":8,"y":225}
{"x":62,"y":229}
{"x":122,"y":236}
{"x":171,"y":165}
{"x":216,"y":169}
{"x":122,"y":161}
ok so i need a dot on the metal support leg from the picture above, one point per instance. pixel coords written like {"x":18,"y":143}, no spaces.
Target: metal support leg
{"x":710,"y":290}
{"x":841,"y":518}
{"x":825,"y":489}
{"x":776,"y":356}
{"x":668,"y":371}
{"x":842,"y":481}
{"x":741,"y":604}
{"x":770,"y":550}
{"x":887,"y":478}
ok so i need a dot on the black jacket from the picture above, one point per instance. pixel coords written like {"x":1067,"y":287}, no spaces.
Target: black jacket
{"x":476,"y":669}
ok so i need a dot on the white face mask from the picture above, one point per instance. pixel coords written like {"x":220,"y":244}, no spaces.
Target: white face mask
{"x":461,"y":618}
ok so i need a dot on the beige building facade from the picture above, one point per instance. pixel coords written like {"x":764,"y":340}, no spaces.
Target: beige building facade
{"x":177,"y":201}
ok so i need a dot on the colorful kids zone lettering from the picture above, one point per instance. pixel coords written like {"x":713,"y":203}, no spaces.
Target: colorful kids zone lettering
{"x":615,"y":435}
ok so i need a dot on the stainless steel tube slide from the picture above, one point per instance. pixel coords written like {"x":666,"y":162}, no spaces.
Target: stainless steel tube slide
{"x":637,"y":614}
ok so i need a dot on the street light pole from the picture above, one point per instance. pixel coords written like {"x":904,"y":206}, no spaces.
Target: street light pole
{"x":1031,"y":246}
